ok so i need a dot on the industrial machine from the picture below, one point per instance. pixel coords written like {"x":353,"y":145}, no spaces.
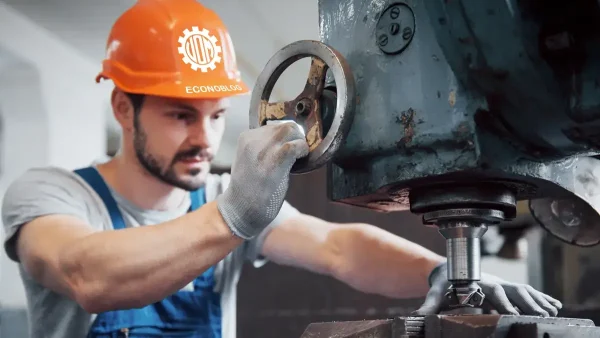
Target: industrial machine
{"x":455,"y":110}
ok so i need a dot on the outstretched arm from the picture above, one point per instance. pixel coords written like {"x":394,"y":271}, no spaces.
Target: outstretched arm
{"x":373,"y":260}
{"x":363,"y":256}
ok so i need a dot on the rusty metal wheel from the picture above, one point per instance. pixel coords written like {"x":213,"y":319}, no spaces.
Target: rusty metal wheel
{"x":309,"y":109}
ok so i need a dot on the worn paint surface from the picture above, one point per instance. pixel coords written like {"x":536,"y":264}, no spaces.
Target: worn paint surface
{"x":272,"y":111}
{"x":471,"y":98}
{"x":404,"y":127}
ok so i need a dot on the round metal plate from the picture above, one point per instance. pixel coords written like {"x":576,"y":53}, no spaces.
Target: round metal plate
{"x":345,"y":89}
{"x":395,"y":28}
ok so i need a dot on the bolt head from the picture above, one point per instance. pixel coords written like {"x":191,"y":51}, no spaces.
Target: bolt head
{"x":407,"y":33}
{"x":383,"y":40}
{"x":395,"y":12}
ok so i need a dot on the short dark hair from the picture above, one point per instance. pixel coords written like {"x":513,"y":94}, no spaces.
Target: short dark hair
{"x":137,"y":100}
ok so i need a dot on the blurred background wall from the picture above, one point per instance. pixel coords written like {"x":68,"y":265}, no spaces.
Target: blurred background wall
{"x":50,"y":53}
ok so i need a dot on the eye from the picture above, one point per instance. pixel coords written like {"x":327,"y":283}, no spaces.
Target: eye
{"x":217,"y":116}
{"x":182,"y":116}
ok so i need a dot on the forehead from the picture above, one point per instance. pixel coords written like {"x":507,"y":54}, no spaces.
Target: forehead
{"x":207,"y":106}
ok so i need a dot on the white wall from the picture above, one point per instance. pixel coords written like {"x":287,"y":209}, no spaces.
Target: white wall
{"x":51,"y":113}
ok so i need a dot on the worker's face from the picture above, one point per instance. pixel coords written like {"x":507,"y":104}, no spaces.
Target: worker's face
{"x":175,"y":140}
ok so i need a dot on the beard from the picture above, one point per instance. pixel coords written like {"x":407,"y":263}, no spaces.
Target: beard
{"x":166,"y":172}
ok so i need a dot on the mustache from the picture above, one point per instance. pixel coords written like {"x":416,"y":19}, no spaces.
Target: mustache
{"x":194,"y":152}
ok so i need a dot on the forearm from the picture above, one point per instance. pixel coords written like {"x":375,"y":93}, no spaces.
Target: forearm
{"x":138,"y":266}
{"x":373,"y":260}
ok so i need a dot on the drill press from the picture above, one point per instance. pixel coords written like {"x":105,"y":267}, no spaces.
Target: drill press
{"x":454,"y":110}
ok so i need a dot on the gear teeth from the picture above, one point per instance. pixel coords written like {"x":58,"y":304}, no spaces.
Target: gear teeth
{"x":187,"y":34}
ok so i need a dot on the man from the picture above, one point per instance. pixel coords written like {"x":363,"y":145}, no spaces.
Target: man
{"x":150,"y":244}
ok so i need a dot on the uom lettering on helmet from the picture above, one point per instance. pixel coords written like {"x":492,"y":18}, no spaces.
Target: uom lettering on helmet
{"x":212,"y":89}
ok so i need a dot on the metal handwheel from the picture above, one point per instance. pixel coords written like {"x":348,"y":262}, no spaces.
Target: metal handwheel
{"x":325,"y":114}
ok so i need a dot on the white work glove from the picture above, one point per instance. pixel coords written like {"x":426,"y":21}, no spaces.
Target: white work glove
{"x":260,"y":176}
{"x":500,"y":295}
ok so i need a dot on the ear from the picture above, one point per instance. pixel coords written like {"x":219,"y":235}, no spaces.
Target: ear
{"x":122,"y":109}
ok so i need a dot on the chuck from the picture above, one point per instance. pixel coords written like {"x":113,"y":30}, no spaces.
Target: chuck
{"x":464,"y":266}
{"x":462,"y":215}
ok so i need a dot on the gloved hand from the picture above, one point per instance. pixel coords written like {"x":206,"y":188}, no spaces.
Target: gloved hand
{"x":260,"y":176}
{"x":500,"y":295}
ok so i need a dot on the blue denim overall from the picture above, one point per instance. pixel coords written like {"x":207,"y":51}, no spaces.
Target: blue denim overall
{"x":193,"y":314}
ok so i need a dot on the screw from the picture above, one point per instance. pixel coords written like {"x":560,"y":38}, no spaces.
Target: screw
{"x":407,"y":33}
{"x":383,"y":40}
{"x":394,"y":28}
{"x":395,"y":12}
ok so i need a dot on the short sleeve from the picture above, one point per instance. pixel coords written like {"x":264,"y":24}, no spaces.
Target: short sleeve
{"x":40,"y":192}
{"x":254,"y":246}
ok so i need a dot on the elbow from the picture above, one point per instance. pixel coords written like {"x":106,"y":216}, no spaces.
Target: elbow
{"x":92,"y":302}
{"x":341,"y":247}
{"x":95,"y":299}
{"x":90,"y":293}
{"x":96,"y":292}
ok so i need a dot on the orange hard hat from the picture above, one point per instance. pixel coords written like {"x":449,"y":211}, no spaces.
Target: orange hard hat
{"x":172,"y":48}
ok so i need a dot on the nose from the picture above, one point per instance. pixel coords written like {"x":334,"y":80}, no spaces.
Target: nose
{"x":199,"y":134}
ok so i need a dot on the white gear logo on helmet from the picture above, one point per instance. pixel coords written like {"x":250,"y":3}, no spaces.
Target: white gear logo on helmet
{"x":199,"y":49}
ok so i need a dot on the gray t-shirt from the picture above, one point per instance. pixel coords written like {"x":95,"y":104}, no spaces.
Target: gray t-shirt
{"x":51,"y":190}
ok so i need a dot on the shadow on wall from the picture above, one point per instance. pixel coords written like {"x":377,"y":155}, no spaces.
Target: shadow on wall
{"x":276,"y":301}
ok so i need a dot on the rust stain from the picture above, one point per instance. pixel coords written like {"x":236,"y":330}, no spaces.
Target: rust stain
{"x":452,"y":98}
{"x":408,"y":121}
{"x":271,"y":111}
{"x":313,"y":136}
{"x":317,"y":72}
{"x":313,"y":126}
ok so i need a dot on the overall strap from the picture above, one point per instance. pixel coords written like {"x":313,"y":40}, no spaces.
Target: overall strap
{"x":198,"y":199}
{"x":93,"y":178}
